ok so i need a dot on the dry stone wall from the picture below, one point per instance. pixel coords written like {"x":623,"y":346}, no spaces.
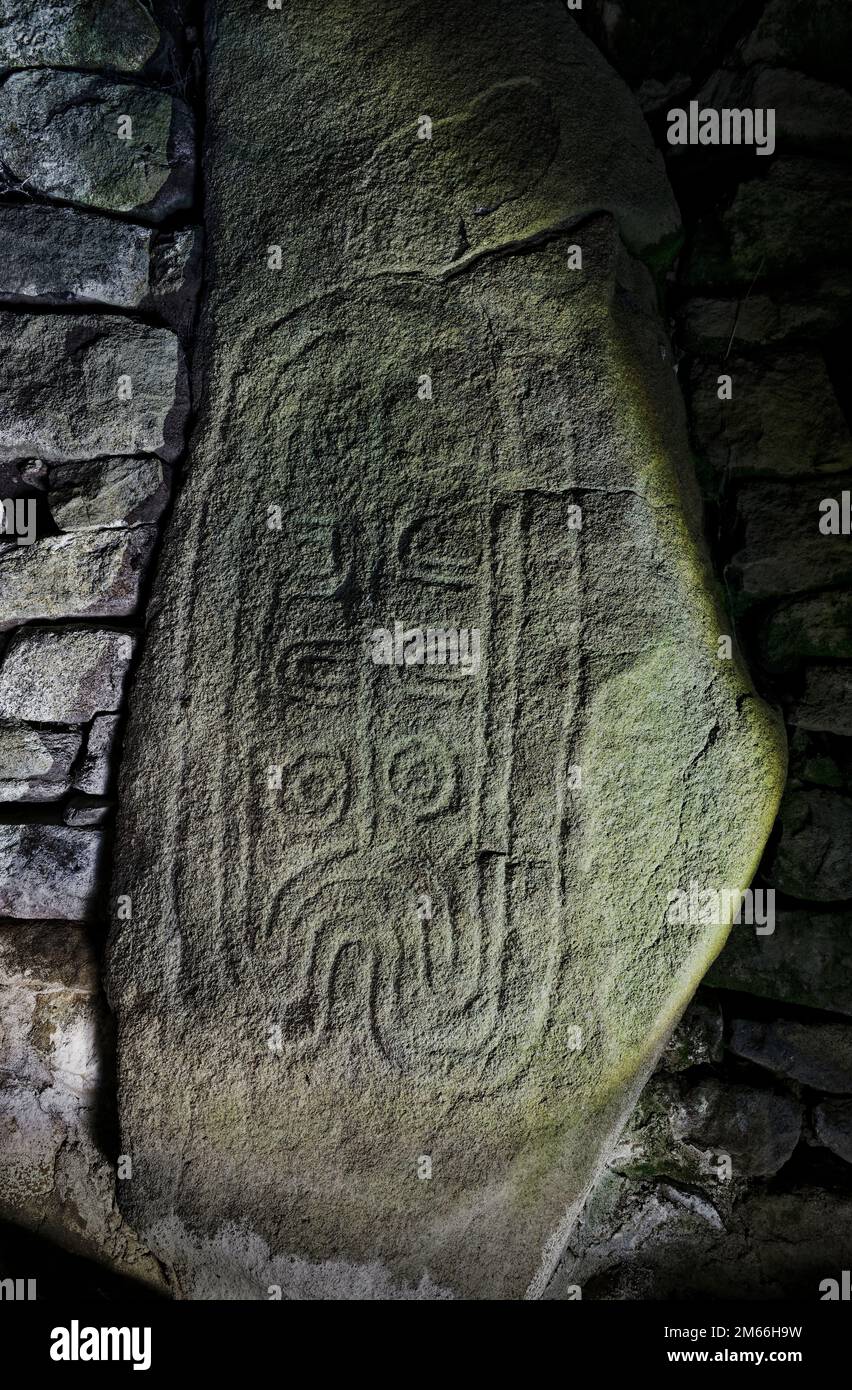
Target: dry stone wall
{"x":100,"y":266}
{"x":733,"y":1178}
{"x":734,"y":1174}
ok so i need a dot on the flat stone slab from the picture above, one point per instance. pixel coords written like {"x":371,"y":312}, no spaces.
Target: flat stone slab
{"x":833,"y":1127}
{"x":176,"y":273}
{"x":84,"y":811}
{"x":115,"y":387}
{"x":819,"y":38}
{"x":65,"y":676}
{"x":35,"y":764}
{"x":784,"y":418}
{"x":678,"y":1128}
{"x":809,"y":310}
{"x":60,"y":256}
{"x":806,"y":960}
{"x":826,"y":702}
{"x":783,"y":550}
{"x":108,"y":493}
{"x":76,"y":34}
{"x":795,"y":218}
{"x":48,"y":872}
{"x":812,"y":860}
{"x":818,"y":1055}
{"x":809,"y":115}
{"x":808,"y":629}
{"x":392,"y":956}
{"x":95,"y":771}
{"x":96,"y":142}
{"x":89,"y":574}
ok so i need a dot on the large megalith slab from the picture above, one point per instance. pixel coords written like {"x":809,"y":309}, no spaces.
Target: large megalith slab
{"x":393,"y":949}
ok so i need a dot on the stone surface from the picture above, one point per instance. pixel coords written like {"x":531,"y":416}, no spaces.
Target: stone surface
{"x":816,"y":37}
{"x":74,"y":412}
{"x":713,"y":325}
{"x":61,"y":139}
{"x":421,"y":941}
{"x":655,"y":1241}
{"x":757,"y":1129}
{"x":799,"y":215}
{"x":48,"y":872}
{"x":808,"y":114}
{"x":812,"y":859}
{"x":826,"y":702}
{"x":783,"y":551}
{"x":810,"y":629}
{"x":48,"y":1006}
{"x":63,"y":677}
{"x":76,"y":34}
{"x":95,"y":771}
{"x":108,"y":493}
{"x":784,"y":417}
{"x":696,"y":1041}
{"x":832,"y":1122}
{"x":818,"y":1055}
{"x":176,"y":271}
{"x":88,"y":574}
{"x":59,"y":256}
{"x":807,"y":960}
{"x":35,"y":764}
{"x":820,"y":759}
{"x":653,"y":40}
{"x":54,"y":1175}
{"x":652,"y":94}
{"x":687,"y":1132}
{"x":85,"y":811}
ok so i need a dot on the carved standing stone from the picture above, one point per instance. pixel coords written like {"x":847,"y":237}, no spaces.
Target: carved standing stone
{"x":371,"y":915}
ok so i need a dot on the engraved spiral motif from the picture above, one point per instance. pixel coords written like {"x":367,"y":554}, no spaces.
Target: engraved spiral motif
{"x":421,"y":775}
{"x":316,"y":787}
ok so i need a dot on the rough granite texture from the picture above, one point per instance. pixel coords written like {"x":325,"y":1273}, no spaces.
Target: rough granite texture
{"x":48,"y":871}
{"x":54,"y":1177}
{"x":63,"y":677}
{"x":115,"y":387}
{"x":66,"y":136}
{"x":76,"y":34}
{"x":91,"y":574}
{"x":807,"y":960}
{"x":296,"y":1029}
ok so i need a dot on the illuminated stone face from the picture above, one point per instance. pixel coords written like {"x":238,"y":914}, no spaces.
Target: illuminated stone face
{"x":399,"y":955}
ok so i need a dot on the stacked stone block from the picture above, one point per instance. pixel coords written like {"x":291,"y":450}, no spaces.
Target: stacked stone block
{"x":100,"y":264}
